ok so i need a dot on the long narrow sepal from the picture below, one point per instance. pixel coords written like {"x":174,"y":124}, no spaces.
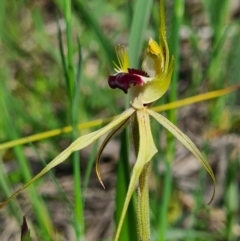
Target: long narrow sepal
{"x":77,"y":145}
{"x":186,"y":142}
{"x":146,"y":151}
{"x":116,"y":129}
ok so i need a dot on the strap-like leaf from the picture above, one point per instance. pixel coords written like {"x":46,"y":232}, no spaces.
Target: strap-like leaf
{"x":186,"y":142}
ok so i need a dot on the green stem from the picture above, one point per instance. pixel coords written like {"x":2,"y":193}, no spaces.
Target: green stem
{"x":71,"y":85}
{"x":78,"y":194}
{"x":143,"y":206}
{"x":174,"y":48}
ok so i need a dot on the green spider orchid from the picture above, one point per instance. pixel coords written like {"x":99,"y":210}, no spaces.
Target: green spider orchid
{"x":144,"y":86}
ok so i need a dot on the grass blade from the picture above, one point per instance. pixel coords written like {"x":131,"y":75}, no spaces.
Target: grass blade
{"x":81,"y":10}
{"x":140,"y":20}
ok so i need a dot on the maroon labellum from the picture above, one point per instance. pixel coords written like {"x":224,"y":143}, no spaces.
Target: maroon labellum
{"x":124,"y":81}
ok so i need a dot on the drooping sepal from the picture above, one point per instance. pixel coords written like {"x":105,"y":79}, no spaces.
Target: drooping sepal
{"x":185,"y":140}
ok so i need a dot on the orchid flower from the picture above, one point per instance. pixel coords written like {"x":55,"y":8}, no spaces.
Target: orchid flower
{"x":144,"y":86}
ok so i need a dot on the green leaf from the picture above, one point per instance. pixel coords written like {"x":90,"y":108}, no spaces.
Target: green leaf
{"x":140,"y":19}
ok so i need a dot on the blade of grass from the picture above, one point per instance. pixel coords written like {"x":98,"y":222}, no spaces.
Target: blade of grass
{"x":79,"y":67}
{"x":217,"y":70}
{"x":70,"y":68}
{"x":73,"y":95}
{"x":139,"y":23}
{"x":174,"y":45}
{"x":129,"y":11}
{"x":81,"y":10}
{"x":61,"y":49}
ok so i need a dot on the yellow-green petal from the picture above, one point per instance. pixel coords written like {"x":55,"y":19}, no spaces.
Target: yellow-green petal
{"x":186,"y":142}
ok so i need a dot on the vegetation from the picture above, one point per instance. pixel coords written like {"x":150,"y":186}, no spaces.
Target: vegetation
{"x":56,"y":57}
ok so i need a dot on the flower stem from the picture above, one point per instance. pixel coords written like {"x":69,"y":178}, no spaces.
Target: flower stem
{"x":73,"y":95}
{"x":143,"y":206}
